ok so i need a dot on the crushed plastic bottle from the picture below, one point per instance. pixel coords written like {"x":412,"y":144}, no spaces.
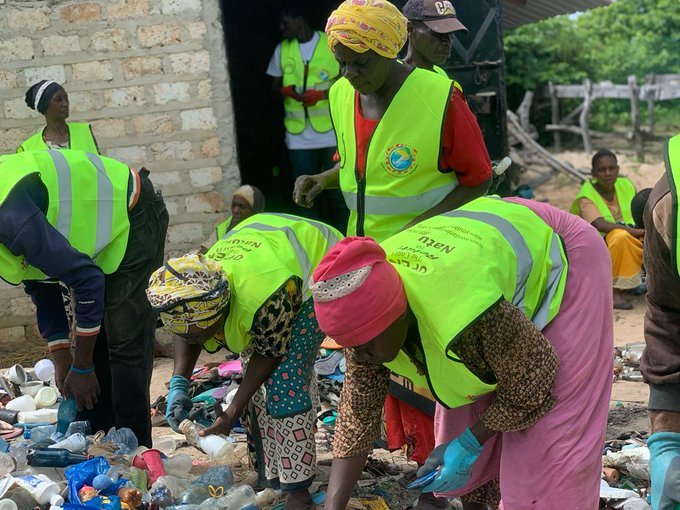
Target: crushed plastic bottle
{"x":79,"y":427}
{"x":123,"y":438}
{"x":220,"y":478}
{"x":218,"y":447}
{"x":75,"y":443}
{"x":139,"y":479}
{"x":173,"y":484}
{"x":165,"y":444}
{"x":41,"y":433}
{"x":7,"y":464}
{"x":178,"y":465}
{"x":19,"y":452}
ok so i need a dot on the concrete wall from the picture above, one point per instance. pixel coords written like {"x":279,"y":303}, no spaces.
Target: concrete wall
{"x":151,"y":78}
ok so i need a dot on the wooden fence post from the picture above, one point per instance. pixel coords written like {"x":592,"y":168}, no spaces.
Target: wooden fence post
{"x":585,"y":114}
{"x":555,"y":116}
{"x":524,"y":110}
{"x":651,"y":96}
{"x":635,"y":117}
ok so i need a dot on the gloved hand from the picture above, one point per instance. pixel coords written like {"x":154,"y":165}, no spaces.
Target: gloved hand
{"x":664,"y":451}
{"x":179,"y":403}
{"x":289,"y":91}
{"x":311,"y":97}
{"x":456,"y":459}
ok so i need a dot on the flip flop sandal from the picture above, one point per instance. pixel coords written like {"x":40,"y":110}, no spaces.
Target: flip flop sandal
{"x":11,"y":434}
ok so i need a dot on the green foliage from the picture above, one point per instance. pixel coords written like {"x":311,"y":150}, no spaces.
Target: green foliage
{"x":609,"y":43}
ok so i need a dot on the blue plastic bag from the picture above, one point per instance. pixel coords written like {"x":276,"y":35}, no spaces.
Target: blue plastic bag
{"x":83,"y":474}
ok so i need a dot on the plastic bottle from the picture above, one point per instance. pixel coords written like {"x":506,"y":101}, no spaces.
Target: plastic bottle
{"x":198,"y":491}
{"x":9,"y":416}
{"x":41,"y":488}
{"x":4,"y":445}
{"x":165,"y":444}
{"x":178,"y":465}
{"x":44,"y":369}
{"x":68,"y":409}
{"x":175,"y":485}
{"x":217,"y":447}
{"x":124,"y":439}
{"x":18,"y":452}
{"x":237,"y":497}
{"x":7,"y":464}
{"x":21,"y":404}
{"x":57,"y":457}
{"x":46,"y":397}
{"x":79,"y":427}
{"x":39,"y":416}
{"x":41,"y":433}
{"x":75,"y":443}
{"x":139,"y":479}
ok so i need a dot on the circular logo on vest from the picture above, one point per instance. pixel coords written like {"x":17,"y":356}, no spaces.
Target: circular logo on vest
{"x":324,"y":75}
{"x":288,"y":65}
{"x":400,"y":160}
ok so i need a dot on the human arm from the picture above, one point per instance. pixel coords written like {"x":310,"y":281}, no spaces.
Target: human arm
{"x":359,"y":424}
{"x":589,"y":212}
{"x":270,"y":337}
{"x":179,"y":404}
{"x":308,"y":187}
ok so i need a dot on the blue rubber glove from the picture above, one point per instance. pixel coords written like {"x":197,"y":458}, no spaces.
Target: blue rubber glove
{"x":664,"y":451}
{"x":455,"y":460}
{"x":179,"y":403}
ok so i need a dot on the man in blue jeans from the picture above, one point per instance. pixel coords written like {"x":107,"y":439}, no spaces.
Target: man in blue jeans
{"x":303,"y":69}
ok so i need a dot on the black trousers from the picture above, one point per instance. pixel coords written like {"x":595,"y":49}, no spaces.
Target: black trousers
{"x":124,"y":349}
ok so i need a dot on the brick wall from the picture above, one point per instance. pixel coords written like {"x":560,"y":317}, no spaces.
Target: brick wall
{"x":151,"y":78}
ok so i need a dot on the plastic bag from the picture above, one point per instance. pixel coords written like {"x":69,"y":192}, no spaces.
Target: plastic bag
{"x":84,"y":473}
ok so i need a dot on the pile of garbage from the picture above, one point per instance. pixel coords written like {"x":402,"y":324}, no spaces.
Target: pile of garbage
{"x":627,"y":362}
{"x":50,"y":461}
{"x":626,"y":472}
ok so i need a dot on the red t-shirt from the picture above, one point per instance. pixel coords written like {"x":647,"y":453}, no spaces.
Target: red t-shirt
{"x":463,"y":150}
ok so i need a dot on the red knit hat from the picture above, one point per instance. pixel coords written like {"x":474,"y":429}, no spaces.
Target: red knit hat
{"x":357,"y":293}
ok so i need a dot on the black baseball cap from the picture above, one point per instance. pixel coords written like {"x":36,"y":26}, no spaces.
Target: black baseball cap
{"x":439,"y":15}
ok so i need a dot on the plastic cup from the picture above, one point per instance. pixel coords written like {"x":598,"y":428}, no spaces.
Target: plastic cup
{"x":31,"y":388}
{"x":17,"y":374}
{"x":46,"y":397}
{"x":44,"y":370}
{"x":23,"y":403}
{"x":8,"y":504}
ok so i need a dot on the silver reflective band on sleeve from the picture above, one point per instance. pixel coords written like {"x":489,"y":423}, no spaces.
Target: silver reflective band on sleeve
{"x":328,"y":234}
{"x":104,"y":205}
{"x":390,"y":206}
{"x":65,"y":199}
{"x":298,"y":249}
{"x":542,"y":314}
{"x":515,"y":239}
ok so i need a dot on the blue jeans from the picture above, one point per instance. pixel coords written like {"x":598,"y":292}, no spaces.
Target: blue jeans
{"x":330,"y":206}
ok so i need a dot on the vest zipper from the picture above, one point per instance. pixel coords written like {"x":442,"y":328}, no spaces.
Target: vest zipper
{"x":361,"y":205}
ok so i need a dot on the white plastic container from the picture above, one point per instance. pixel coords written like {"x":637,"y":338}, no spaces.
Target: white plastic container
{"x":8,"y":504}
{"x":44,"y":370}
{"x":217,"y":447}
{"x":23,"y":403}
{"x":31,"y":388}
{"x":41,"y":488}
{"x":46,"y":397}
{"x":17,"y":374}
{"x":75,"y":443}
{"x":39,"y":416}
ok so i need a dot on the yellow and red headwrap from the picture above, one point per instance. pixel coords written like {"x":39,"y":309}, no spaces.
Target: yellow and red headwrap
{"x":364,"y":25}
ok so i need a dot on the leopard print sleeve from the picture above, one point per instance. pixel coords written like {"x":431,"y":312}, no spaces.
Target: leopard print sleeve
{"x":273,"y":322}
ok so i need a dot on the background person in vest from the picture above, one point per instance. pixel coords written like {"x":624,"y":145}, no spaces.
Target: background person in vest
{"x":604,"y":202}
{"x":418,"y":152}
{"x":50,"y":99}
{"x":227,"y":299}
{"x":526,"y":368}
{"x":246,"y":201}
{"x":98,"y":226}
{"x":660,"y":363}
{"x":431,"y":24}
{"x":304,"y":69}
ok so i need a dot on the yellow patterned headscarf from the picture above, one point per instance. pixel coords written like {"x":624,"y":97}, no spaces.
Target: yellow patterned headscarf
{"x":189,"y":290}
{"x":364,"y":25}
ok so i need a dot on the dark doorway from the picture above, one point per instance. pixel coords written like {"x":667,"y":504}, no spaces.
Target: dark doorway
{"x":251,"y":35}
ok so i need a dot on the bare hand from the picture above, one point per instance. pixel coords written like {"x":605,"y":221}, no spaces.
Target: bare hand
{"x":223,"y":423}
{"x":306,"y":189}
{"x":636,"y":232}
{"x":84,"y":388}
{"x":62,"y":361}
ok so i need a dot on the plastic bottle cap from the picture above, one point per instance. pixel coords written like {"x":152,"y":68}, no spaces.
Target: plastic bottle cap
{"x":56,"y":500}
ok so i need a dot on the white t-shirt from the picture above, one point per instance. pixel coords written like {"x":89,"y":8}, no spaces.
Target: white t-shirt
{"x":308,"y":139}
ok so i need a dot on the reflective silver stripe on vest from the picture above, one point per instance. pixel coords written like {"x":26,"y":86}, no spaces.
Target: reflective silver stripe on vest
{"x":541,"y":316}
{"x":300,"y":252}
{"x":330,"y":236}
{"x":65,"y":199}
{"x":318,"y":112}
{"x":324,"y":85}
{"x":391,"y":206}
{"x":104,"y":205}
{"x":524,"y":259}
{"x":295,"y":114}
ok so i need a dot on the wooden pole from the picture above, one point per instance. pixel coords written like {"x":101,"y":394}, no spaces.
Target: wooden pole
{"x":555,"y":116}
{"x":524,"y":111}
{"x":585,"y":114}
{"x":635,"y":117}
{"x":651,"y":79}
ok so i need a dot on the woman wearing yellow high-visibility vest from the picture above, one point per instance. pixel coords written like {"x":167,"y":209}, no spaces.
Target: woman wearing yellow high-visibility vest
{"x":250,"y":293}
{"x":604,"y":202}
{"x":503,"y":309}
{"x":50,"y":99}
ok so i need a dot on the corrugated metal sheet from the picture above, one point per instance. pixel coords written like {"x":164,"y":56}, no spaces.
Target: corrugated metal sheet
{"x":520,"y":12}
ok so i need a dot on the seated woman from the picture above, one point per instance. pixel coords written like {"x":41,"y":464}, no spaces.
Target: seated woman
{"x":50,"y":99}
{"x":604,"y":202}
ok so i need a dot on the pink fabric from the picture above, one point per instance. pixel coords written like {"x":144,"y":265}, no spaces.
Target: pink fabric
{"x":360,"y":316}
{"x":557,"y":462}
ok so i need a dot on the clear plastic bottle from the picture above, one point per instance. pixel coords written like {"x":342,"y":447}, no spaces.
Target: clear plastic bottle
{"x":220,"y":478}
{"x":82,"y":427}
{"x":217,"y":447}
{"x":19,"y":452}
{"x":124,"y":438}
{"x":41,"y":433}
{"x":7,"y":464}
{"x":237,"y":497}
{"x":139,"y":479}
{"x":178,"y":465}
{"x":68,"y":409}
